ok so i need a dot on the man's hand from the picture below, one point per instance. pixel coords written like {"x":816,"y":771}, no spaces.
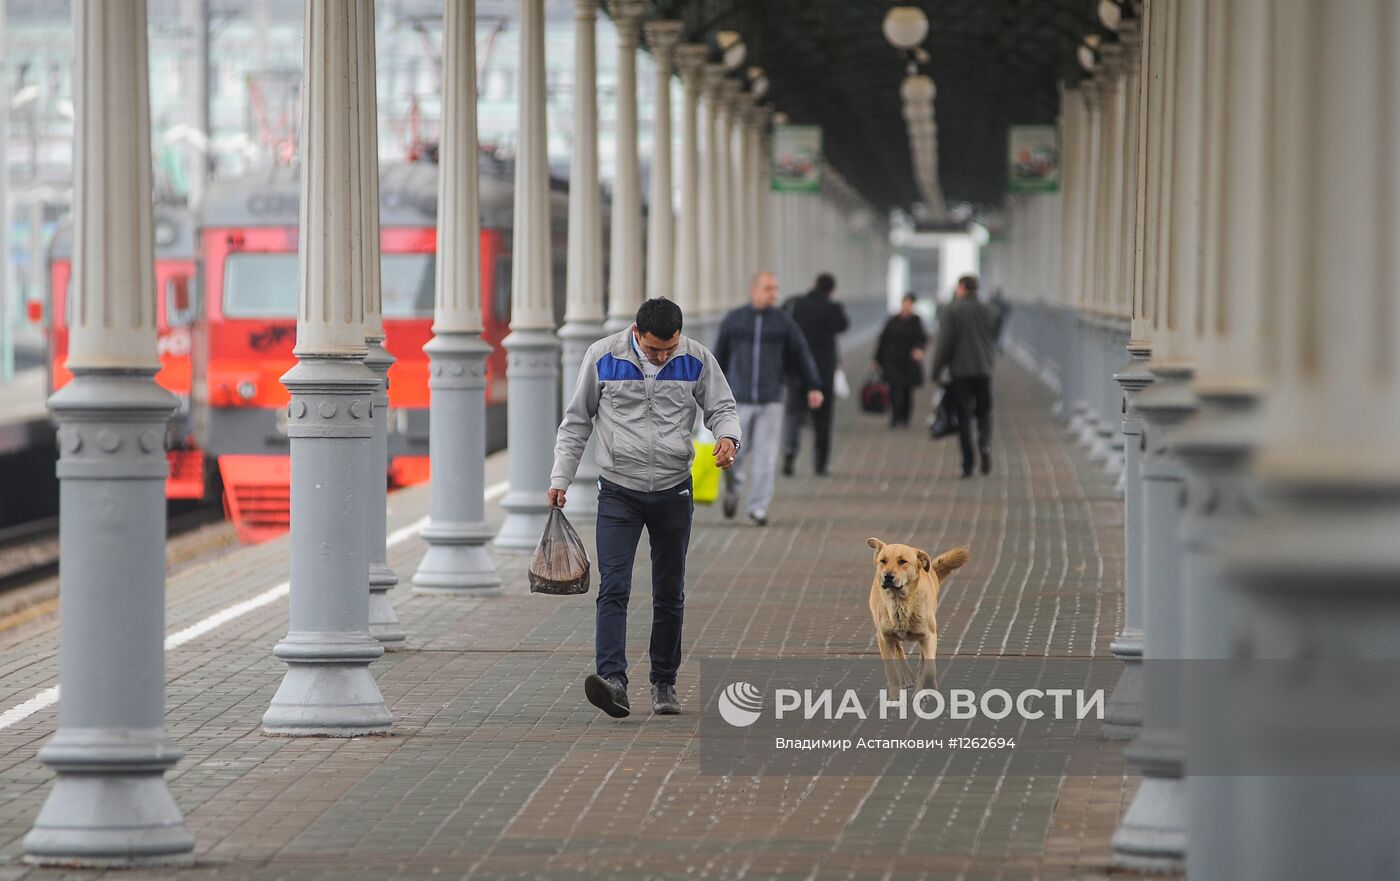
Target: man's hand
{"x":814,"y":399}
{"x":556,"y":498}
{"x":724,"y":453}
{"x":917,"y":355}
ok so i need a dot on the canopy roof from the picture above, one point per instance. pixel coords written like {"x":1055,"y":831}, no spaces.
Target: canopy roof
{"x":996,"y":63}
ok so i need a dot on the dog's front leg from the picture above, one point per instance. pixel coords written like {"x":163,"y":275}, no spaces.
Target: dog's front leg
{"x":893,"y":654}
{"x":928,"y":664}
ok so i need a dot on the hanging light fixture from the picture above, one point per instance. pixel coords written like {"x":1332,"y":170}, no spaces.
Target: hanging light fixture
{"x":905,"y":27}
{"x":731,"y":47}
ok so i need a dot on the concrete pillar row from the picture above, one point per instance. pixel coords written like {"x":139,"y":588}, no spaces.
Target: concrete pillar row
{"x":583,"y":304}
{"x":1328,"y":494}
{"x":711,"y":249}
{"x":1152,"y":831}
{"x":532,"y":347}
{"x":689,"y":57}
{"x":456,"y":561}
{"x":383,"y":622}
{"x":328,"y":690}
{"x":109,"y":804}
{"x":625,"y":263}
{"x":662,"y":37}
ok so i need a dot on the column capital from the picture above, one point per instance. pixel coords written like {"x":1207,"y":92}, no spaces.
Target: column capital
{"x":690,"y":58}
{"x":730,"y":95}
{"x":627,"y":16}
{"x":663,"y":36}
{"x":585,"y":10}
{"x":712,"y":77}
{"x":758,"y":115}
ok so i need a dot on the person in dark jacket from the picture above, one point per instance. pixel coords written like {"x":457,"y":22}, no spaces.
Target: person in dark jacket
{"x":967,"y":347}
{"x":758,"y":346}
{"x":899,"y":356}
{"x":821,"y":318}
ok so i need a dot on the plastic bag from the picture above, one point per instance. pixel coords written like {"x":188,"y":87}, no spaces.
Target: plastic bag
{"x":704,"y":474}
{"x":840,"y":385}
{"x":560,"y":565}
{"x":945,"y":416}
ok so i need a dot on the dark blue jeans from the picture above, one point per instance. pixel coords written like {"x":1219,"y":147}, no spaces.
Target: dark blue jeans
{"x":622,"y":513}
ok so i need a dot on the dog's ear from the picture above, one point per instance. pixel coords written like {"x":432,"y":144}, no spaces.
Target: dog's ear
{"x":875,"y":543}
{"x":924,"y":561}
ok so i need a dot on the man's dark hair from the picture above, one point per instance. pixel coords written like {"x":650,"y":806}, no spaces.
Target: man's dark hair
{"x":825,"y":283}
{"x":969,"y":282}
{"x":659,"y":317}
{"x":912,"y":297}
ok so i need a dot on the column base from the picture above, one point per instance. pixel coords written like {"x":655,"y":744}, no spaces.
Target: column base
{"x":383,"y":620}
{"x":1151,"y":837}
{"x":457,"y":562}
{"x":328,"y":690}
{"x":1122,"y":718}
{"x":109,"y":805}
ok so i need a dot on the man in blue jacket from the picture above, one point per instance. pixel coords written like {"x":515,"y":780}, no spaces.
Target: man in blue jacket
{"x":758,"y":346}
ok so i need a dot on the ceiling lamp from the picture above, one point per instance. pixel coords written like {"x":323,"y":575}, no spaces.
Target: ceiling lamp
{"x":905,"y":27}
{"x":1088,"y":53}
{"x":1110,"y":14}
{"x":731,"y":47}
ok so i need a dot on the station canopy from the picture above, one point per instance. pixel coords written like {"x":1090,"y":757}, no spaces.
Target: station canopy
{"x":995,"y":63}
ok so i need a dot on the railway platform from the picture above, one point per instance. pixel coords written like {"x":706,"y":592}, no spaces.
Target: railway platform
{"x":496,"y":767}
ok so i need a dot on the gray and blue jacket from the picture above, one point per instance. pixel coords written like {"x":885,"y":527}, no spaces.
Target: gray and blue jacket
{"x":757,"y":348}
{"x":643,"y":423}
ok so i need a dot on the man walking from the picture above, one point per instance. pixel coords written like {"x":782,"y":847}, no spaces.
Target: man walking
{"x":820,"y":318}
{"x":640,"y":387}
{"x":967,"y":346}
{"x":758,"y":346}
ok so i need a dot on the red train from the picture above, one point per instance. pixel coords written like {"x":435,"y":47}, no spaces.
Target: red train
{"x":228,"y":347}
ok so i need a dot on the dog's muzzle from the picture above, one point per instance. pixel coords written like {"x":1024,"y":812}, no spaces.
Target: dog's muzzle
{"x":888,"y":583}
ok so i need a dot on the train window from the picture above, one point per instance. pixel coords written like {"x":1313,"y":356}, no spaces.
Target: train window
{"x":260,"y":285}
{"x":407,"y":282}
{"x":179,"y":300}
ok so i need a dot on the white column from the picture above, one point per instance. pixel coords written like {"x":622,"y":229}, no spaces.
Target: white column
{"x":741,"y":229}
{"x":327,"y":689}
{"x":109,"y":804}
{"x":711,"y":206}
{"x":533,"y":349}
{"x":625,"y":271}
{"x":736,"y":287}
{"x":662,"y":37}
{"x":1151,"y":834}
{"x":764,"y":195}
{"x":689,"y":58}
{"x":1329,"y":457}
{"x":383,"y":623}
{"x":583,"y":309}
{"x":457,"y":561}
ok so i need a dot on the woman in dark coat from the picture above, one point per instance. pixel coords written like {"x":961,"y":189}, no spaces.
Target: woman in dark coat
{"x":899,"y":356}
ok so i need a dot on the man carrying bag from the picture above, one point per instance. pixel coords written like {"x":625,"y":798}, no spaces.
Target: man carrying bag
{"x":640,"y":387}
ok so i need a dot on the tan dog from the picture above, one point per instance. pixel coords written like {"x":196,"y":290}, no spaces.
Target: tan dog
{"x":904,"y":604}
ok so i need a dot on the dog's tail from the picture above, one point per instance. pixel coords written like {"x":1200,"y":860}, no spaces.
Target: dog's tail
{"x":949,"y":561}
